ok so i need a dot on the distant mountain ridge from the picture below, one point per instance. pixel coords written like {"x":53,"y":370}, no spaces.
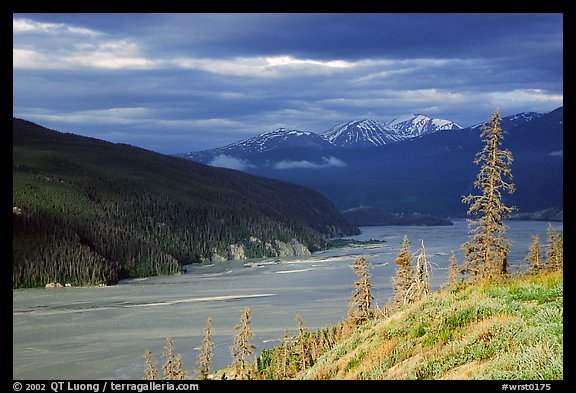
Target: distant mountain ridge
{"x":428,"y":172}
{"x":417,"y":125}
{"x":371,"y":216}
{"x":361,"y":134}
{"x":355,"y":134}
{"x":508,"y":122}
{"x":280,"y":137}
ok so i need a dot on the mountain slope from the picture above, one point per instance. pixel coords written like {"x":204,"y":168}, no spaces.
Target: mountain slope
{"x":361,"y":133}
{"x":417,"y":125}
{"x":87,"y":211}
{"x":511,"y":121}
{"x":510,"y":331}
{"x":281,"y":137}
{"x":269,"y":141}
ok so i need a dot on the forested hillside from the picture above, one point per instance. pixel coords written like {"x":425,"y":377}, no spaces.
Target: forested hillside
{"x":87,"y":211}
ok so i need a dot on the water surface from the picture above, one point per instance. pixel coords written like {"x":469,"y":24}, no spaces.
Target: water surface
{"x":101,"y":333}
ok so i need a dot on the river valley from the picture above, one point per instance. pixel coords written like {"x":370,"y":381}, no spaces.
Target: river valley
{"x":102,"y":333}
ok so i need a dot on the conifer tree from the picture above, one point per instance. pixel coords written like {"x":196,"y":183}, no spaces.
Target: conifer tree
{"x":151,"y":366}
{"x":421,"y":281}
{"x":242,"y":347}
{"x":205,"y":356}
{"x":534,"y":256}
{"x":319,"y":344}
{"x":452,"y":272}
{"x":172,"y":366}
{"x":360,"y":310}
{"x":283,"y":361}
{"x":302,"y":345}
{"x":560,"y":250}
{"x":179,"y":374}
{"x":554,"y":251}
{"x":486,"y":251}
{"x":403,"y":278}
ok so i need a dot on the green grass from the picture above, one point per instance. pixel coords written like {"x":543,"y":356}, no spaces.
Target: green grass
{"x":511,"y":331}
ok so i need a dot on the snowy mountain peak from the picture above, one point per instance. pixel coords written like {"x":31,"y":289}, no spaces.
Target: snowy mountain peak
{"x":279,"y":138}
{"x":508,"y":122}
{"x":417,"y":124}
{"x":360,"y":133}
{"x":354,"y":134}
{"x":280,"y":132}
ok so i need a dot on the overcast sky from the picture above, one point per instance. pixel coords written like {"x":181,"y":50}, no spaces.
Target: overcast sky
{"x":186,"y":82}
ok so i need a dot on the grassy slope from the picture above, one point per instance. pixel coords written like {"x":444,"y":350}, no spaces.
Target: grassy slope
{"x":511,"y":331}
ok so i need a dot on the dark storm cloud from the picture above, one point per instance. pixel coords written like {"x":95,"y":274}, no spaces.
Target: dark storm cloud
{"x":179,"y":82}
{"x":329,"y":36}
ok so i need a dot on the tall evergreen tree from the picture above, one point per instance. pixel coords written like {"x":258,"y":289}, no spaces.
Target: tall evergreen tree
{"x":302,"y":345}
{"x":205,"y":356}
{"x":360,"y":310}
{"x":151,"y":366}
{"x":534,"y":256}
{"x":554,"y":251}
{"x":421,"y":282}
{"x":486,"y":251}
{"x":452,"y":272}
{"x":404,"y":274}
{"x":172,"y":366}
{"x":282,"y":369}
{"x":242,"y":347}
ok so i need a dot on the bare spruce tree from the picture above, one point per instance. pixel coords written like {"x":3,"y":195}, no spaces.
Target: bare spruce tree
{"x":172,"y":366}
{"x":421,"y":283}
{"x":403,"y":278}
{"x":282,"y":369}
{"x":360,"y":310}
{"x":151,"y":366}
{"x":205,"y":355}
{"x":486,"y":251}
{"x":302,"y":348}
{"x":554,"y":251}
{"x":453,"y":271}
{"x":242,"y":347}
{"x":534,"y":256}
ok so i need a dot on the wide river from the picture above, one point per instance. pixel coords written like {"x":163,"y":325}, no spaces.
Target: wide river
{"x":102,"y":333}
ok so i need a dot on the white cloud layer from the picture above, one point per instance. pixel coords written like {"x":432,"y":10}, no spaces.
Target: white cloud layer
{"x":20,"y":25}
{"x":226,"y":161}
{"x":557,"y":153}
{"x":327,"y":162}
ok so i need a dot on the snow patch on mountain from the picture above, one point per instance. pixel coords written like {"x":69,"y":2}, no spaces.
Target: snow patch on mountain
{"x":508,"y":122}
{"x":416,"y":125}
{"x":360,"y":133}
{"x":279,"y":138}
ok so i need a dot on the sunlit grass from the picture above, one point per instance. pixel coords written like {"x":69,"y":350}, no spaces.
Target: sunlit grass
{"x":511,"y":330}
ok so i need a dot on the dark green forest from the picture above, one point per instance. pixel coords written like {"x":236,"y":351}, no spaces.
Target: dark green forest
{"x":90,"y":212}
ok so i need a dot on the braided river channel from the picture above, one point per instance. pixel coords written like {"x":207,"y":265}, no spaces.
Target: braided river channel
{"x":102,"y":333}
